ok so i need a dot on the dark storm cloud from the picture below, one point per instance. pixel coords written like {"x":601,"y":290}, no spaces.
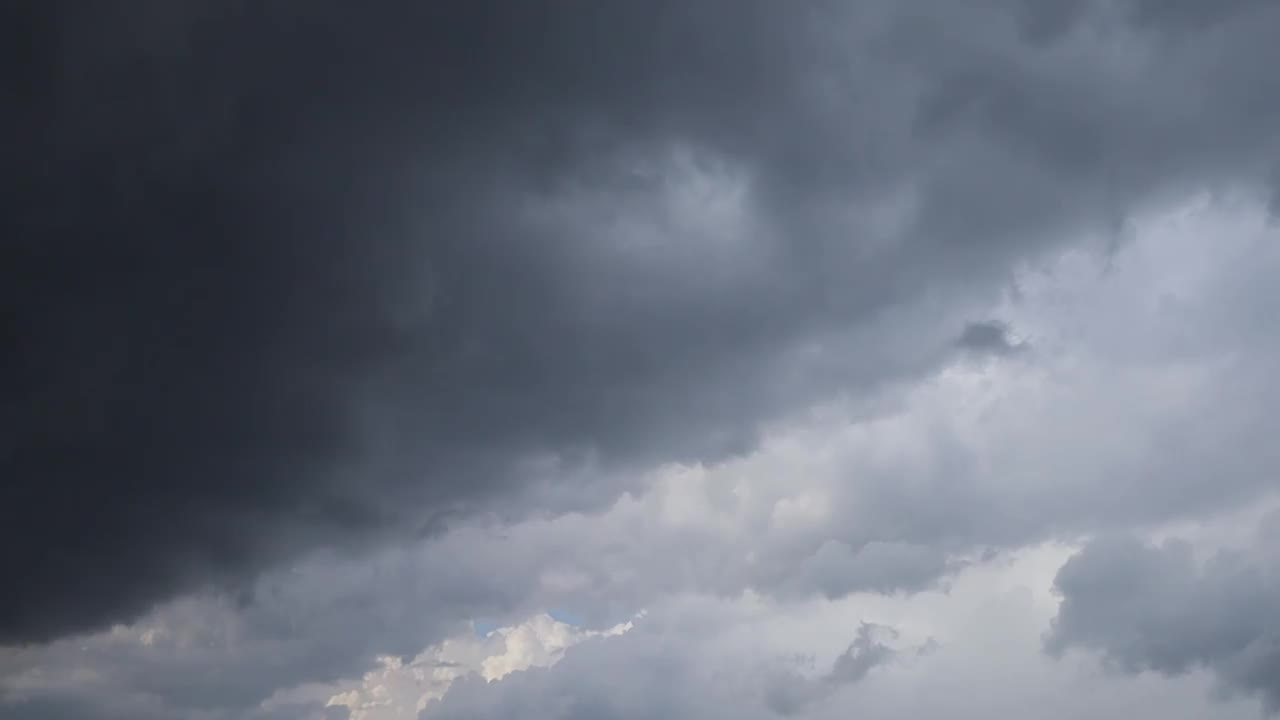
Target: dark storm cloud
{"x":282,"y":278}
{"x":1157,"y":608}
{"x":256,"y":254}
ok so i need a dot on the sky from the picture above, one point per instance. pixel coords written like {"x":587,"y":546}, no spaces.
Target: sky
{"x":595,"y":359}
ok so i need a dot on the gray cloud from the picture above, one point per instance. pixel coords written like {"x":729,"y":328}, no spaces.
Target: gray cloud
{"x":215,"y":656}
{"x":664,"y":668}
{"x":989,"y":337}
{"x":296,"y":282}
{"x":1156,"y":411}
{"x":789,"y":694}
{"x":1158,"y":608}
{"x":836,"y":570}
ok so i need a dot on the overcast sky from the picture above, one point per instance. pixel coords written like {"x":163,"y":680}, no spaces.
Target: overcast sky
{"x":593,"y":359}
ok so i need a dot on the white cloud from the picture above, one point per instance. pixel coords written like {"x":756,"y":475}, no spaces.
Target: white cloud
{"x":399,"y":689}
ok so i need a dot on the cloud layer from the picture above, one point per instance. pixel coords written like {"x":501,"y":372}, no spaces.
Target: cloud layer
{"x":337,"y":331}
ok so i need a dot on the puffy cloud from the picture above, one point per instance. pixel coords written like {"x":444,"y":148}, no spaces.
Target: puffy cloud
{"x":1160,"y":608}
{"x":398,"y":689}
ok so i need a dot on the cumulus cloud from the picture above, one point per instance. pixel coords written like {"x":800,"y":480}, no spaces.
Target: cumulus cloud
{"x":399,"y":689}
{"x":1160,"y":608}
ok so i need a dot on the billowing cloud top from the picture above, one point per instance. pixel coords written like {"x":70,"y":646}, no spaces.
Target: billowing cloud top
{"x":330,"y":328}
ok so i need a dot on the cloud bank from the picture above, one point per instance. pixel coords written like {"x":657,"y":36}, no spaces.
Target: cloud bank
{"x":335,"y":333}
